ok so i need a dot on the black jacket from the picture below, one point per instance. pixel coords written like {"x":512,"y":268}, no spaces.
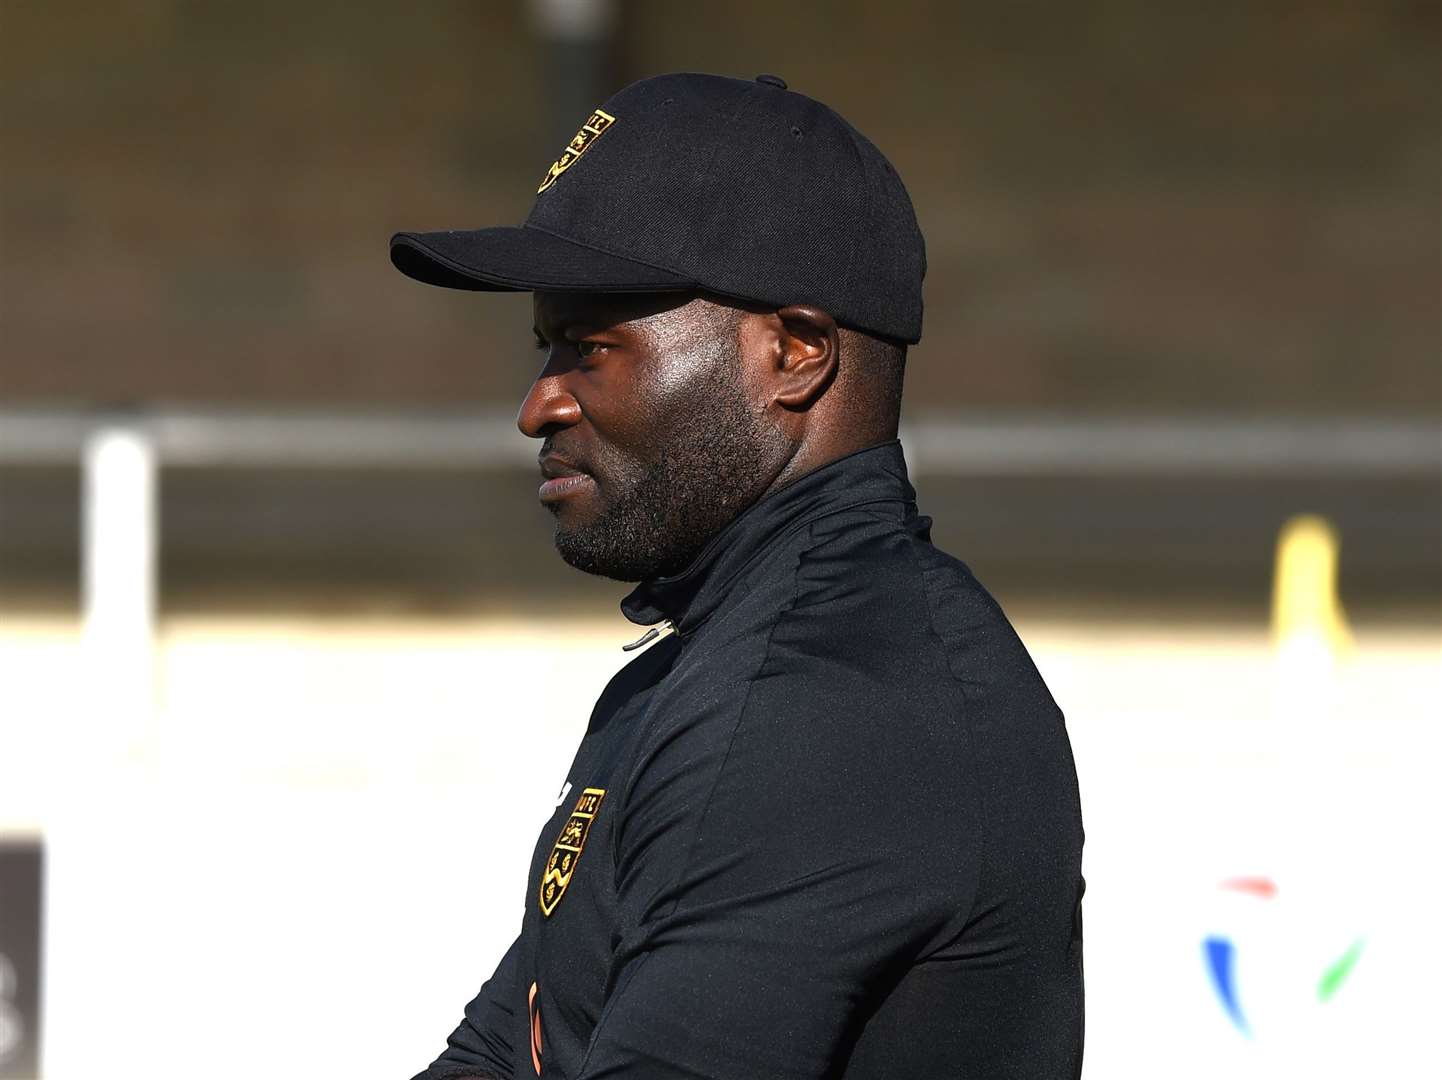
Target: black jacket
{"x":829,"y":827}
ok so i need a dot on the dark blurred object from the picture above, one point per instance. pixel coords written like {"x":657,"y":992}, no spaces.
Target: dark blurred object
{"x":21,"y":869}
{"x":576,"y":40}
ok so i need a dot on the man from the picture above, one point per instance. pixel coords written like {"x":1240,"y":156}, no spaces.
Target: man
{"x":827,"y":823}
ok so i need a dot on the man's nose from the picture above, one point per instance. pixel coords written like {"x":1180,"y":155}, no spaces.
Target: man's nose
{"x":548,"y":406}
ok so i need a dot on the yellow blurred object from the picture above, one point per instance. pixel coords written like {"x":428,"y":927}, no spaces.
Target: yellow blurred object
{"x":1305,"y":606}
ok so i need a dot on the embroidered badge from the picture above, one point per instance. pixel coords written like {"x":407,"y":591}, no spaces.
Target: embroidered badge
{"x":567,"y":850}
{"x":590,"y":131}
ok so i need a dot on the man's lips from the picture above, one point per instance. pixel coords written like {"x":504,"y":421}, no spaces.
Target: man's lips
{"x":561,"y":486}
{"x":561,"y":478}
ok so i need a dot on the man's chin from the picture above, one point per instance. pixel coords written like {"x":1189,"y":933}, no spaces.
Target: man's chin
{"x":583,"y":549}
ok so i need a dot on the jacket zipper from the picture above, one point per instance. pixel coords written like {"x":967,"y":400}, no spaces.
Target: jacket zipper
{"x":658,"y":631}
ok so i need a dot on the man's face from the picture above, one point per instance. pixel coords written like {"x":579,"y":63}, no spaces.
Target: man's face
{"x":653,"y":442}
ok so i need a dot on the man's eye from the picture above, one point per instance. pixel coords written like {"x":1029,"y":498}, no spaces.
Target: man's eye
{"x":588,"y":348}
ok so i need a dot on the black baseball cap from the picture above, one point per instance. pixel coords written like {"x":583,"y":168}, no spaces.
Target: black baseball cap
{"x":699,"y":182}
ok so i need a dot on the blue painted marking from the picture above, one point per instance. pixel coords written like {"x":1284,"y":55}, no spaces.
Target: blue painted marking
{"x":1220,"y":955}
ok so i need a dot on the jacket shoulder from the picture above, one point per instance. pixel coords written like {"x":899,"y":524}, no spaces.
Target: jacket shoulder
{"x":872,"y":581}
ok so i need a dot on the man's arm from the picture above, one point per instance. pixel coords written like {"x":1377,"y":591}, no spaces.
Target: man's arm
{"x":481,"y":1046}
{"x":772,"y":882}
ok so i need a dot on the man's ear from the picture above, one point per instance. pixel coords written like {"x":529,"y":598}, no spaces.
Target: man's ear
{"x":810,"y":347}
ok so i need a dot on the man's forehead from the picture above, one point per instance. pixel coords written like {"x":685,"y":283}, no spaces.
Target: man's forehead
{"x":601,"y":310}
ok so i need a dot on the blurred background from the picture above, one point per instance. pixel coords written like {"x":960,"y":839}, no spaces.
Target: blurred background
{"x":276,"y":596}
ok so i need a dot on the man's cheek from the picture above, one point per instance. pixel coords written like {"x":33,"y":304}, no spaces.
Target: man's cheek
{"x":615,"y":474}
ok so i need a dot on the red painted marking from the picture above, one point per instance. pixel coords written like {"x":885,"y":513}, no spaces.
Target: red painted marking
{"x":1264,"y":888}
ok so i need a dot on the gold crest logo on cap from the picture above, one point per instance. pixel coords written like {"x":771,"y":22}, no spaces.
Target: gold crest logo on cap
{"x":590,"y":131}
{"x":567,"y":850}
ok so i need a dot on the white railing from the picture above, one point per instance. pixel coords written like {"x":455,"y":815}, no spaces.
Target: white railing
{"x":121,"y":453}
{"x":955,"y":443}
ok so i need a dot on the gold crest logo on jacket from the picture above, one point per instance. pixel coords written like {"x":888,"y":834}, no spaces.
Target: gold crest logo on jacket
{"x":568,"y":847}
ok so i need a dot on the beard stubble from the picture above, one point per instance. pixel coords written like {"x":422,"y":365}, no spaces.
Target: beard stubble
{"x":710,"y":465}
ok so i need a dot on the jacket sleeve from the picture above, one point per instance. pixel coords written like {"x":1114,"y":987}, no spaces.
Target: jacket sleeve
{"x":481,"y":1047}
{"x":774,"y":871}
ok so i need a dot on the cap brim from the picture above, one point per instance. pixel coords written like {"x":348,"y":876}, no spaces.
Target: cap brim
{"x":523,"y":259}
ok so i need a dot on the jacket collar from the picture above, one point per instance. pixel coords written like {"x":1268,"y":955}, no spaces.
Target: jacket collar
{"x":687,"y":599}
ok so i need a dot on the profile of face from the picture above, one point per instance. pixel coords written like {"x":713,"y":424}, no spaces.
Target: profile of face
{"x":652,"y":440}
